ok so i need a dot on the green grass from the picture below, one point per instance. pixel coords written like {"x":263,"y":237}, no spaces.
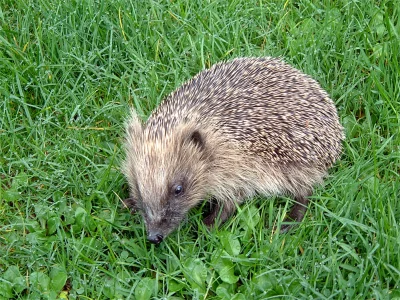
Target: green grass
{"x":70,"y":70}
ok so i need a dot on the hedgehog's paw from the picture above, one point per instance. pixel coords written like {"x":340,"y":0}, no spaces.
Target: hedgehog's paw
{"x":285,"y":227}
{"x":219,"y":214}
{"x":209,"y":220}
{"x":296,"y":214}
{"x":130,"y":204}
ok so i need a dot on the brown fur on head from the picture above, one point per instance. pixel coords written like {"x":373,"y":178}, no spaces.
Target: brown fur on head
{"x":163,"y":170}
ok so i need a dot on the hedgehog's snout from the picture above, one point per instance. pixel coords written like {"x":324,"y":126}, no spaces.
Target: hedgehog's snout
{"x":154,"y":237}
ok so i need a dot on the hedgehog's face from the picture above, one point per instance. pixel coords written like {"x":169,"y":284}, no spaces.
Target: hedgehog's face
{"x":164,"y":175}
{"x":164,"y":203}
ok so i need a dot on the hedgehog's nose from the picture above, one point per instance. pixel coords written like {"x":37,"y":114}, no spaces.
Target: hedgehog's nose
{"x":155,"y":238}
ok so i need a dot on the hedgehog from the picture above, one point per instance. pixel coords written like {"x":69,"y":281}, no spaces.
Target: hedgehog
{"x":246,"y":127}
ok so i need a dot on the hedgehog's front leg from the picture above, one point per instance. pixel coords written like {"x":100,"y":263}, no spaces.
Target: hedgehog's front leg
{"x":219,"y":212}
{"x":297,"y":212}
{"x":131,"y":204}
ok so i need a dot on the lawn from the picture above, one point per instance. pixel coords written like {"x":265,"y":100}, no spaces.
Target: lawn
{"x":71,"y":70}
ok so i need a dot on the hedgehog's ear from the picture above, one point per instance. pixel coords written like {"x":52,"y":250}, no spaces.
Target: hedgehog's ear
{"x":197,"y":139}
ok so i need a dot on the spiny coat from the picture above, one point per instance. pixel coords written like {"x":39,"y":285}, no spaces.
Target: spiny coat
{"x":245,"y":127}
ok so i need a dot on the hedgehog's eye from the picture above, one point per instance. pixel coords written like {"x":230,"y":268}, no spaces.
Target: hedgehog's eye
{"x":178,"y":190}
